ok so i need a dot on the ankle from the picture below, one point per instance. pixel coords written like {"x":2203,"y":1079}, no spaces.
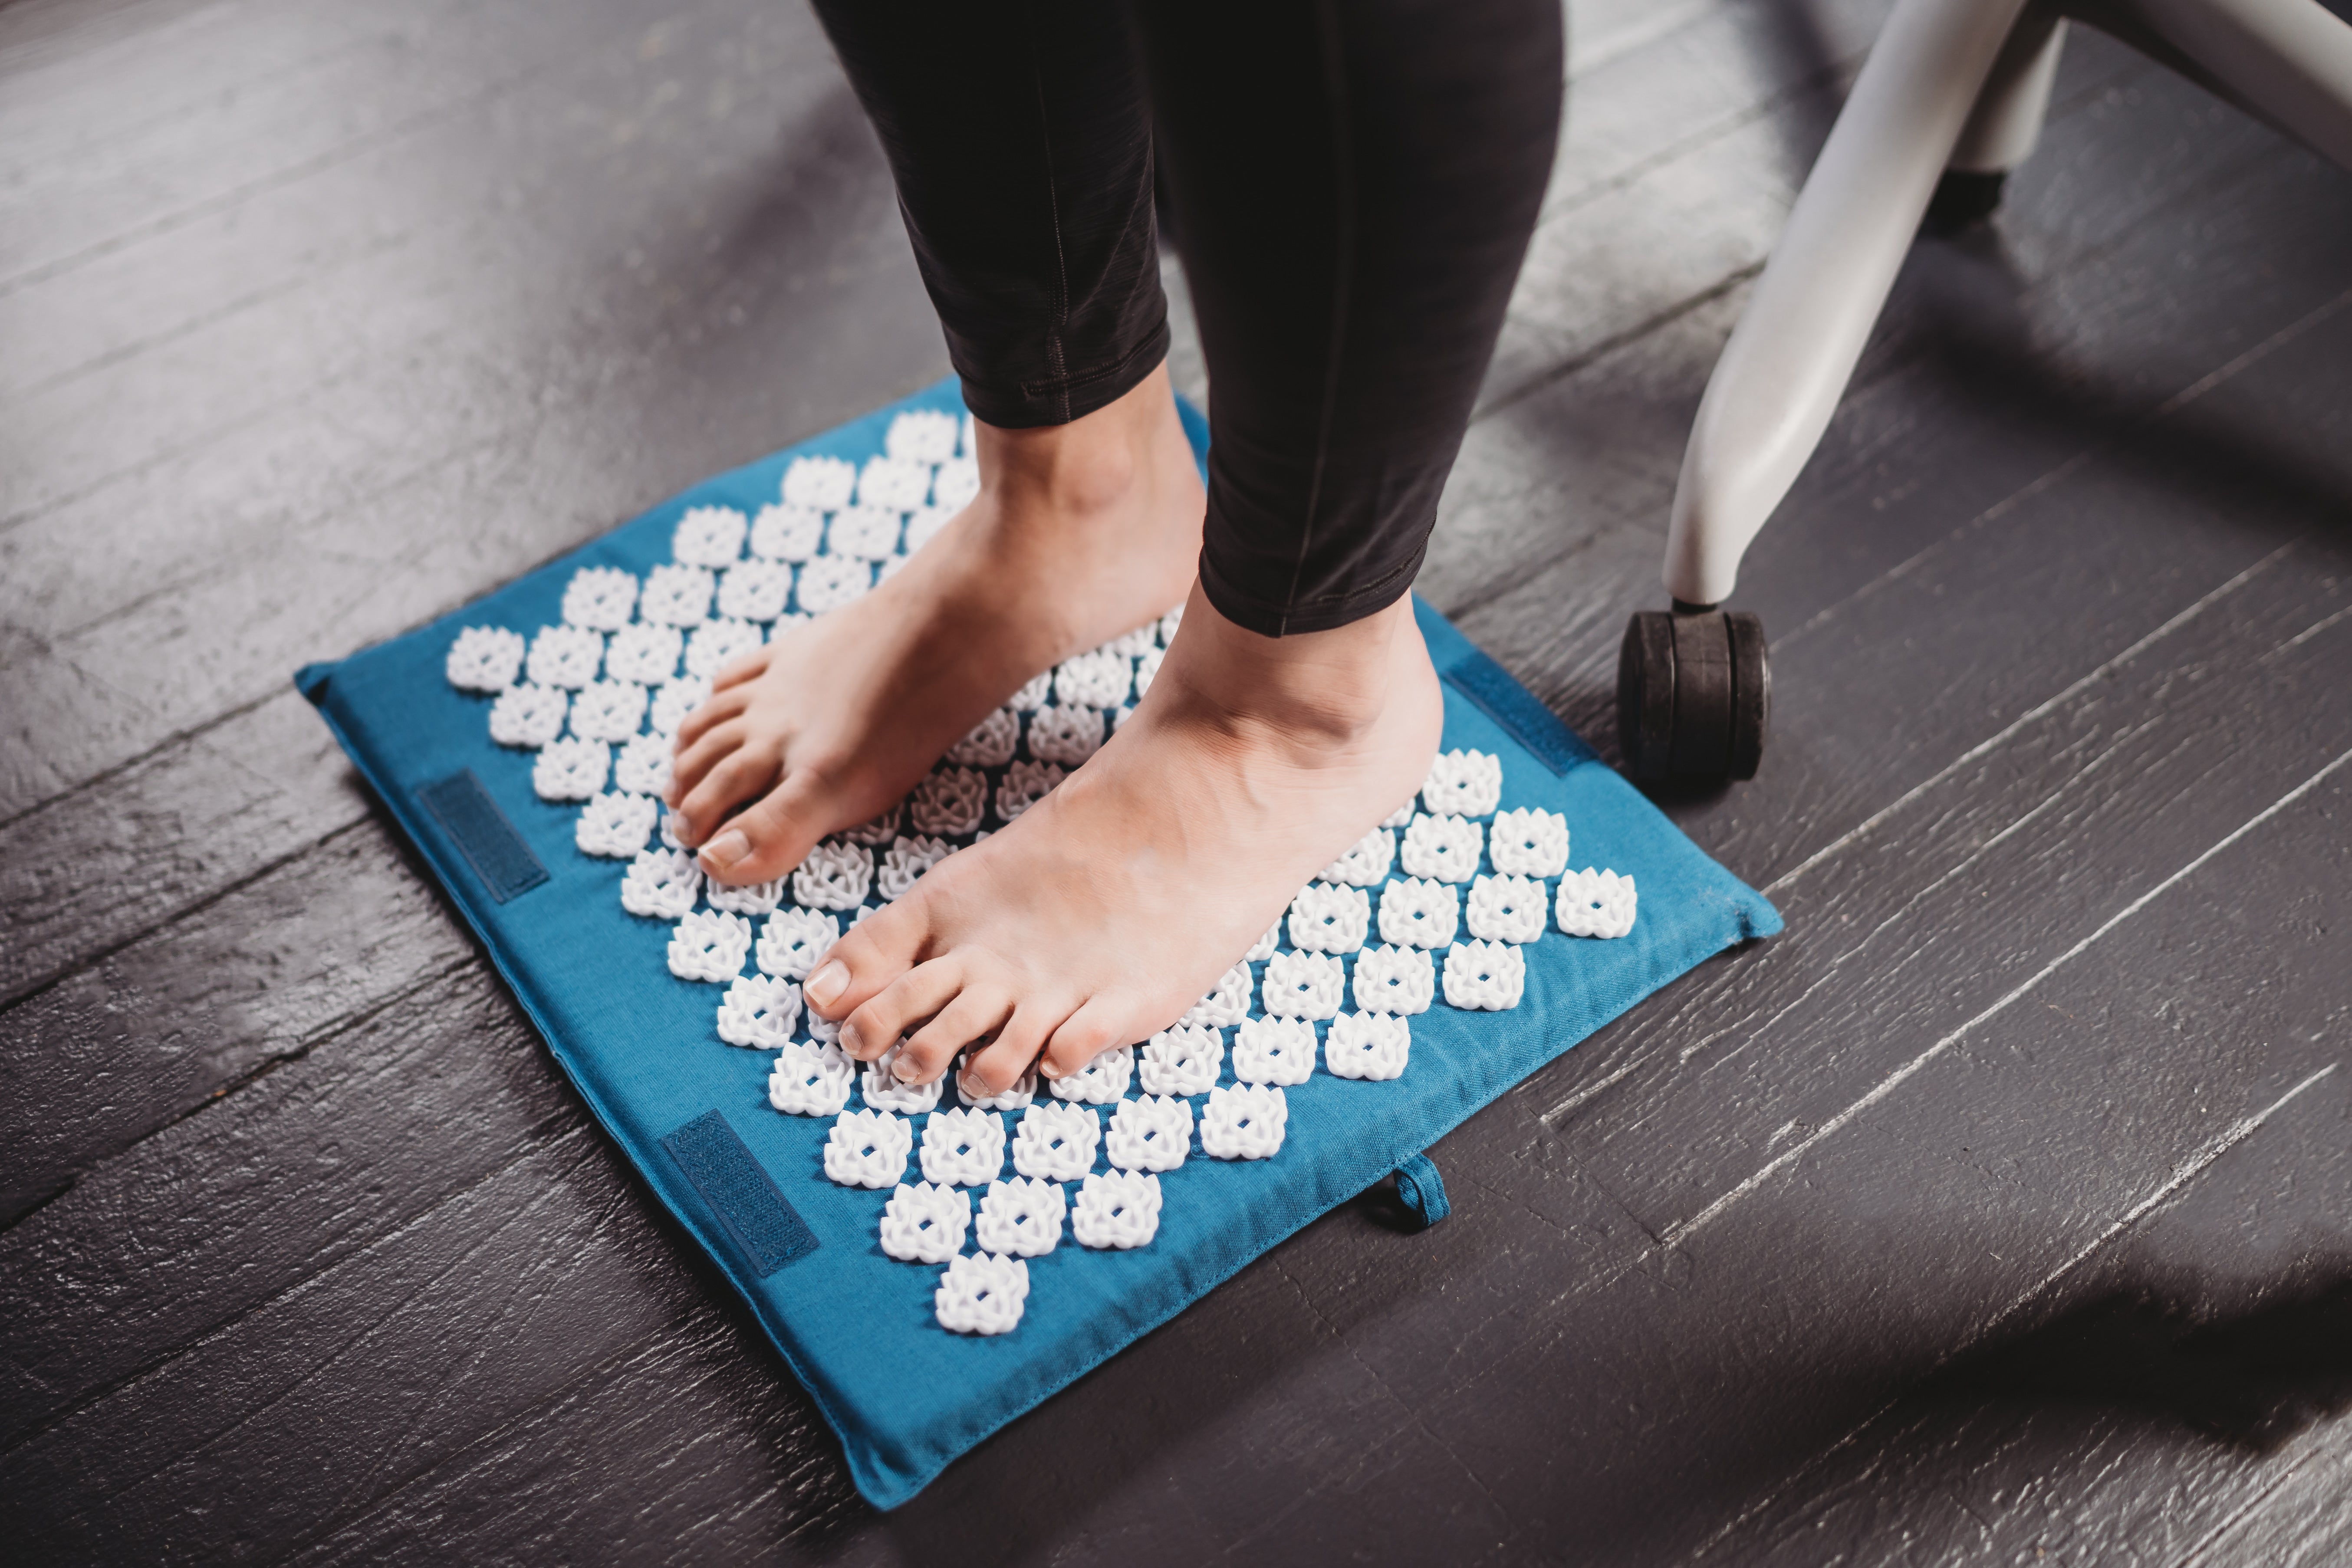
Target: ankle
{"x":1087,"y":467}
{"x":1322,"y":690}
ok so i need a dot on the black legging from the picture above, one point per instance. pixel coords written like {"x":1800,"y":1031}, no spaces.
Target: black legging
{"x":1352,"y":184}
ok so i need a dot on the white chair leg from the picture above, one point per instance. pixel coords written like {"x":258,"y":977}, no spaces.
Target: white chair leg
{"x":2287,"y":62}
{"x":2007,"y":119}
{"x":1795,"y":348}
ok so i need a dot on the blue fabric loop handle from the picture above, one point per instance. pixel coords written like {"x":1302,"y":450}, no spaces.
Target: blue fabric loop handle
{"x":1422,"y":1190}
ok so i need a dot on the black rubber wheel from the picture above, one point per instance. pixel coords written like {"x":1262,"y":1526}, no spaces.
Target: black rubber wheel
{"x":1963,"y":199}
{"x":1694,"y":695}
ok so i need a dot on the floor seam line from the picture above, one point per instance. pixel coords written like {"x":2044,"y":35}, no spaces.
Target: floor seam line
{"x":1676,"y":1234}
{"x":2040,"y":711}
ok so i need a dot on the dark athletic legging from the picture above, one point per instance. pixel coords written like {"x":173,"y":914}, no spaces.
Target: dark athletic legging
{"x":1352,"y":184}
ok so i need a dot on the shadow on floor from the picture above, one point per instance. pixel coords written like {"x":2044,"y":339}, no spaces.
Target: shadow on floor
{"x":2255,"y":1376}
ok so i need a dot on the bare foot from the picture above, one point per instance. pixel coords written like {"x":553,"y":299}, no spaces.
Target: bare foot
{"x":1081,"y":531}
{"x":1107,"y":909}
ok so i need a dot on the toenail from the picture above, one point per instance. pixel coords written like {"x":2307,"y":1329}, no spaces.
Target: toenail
{"x":973,"y":1087}
{"x":907,"y":1069}
{"x":1048,"y":1069}
{"x":724,"y":850}
{"x":827,"y":983}
{"x":851,"y":1044}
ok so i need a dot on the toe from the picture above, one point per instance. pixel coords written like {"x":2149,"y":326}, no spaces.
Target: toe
{"x":995,"y":1067}
{"x":869,"y":955}
{"x":1084,"y":1035}
{"x":715,"y":711}
{"x":974,"y":1014}
{"x":772,"y":834}
{"x":733,"y":779}
{"x":744,"y":666}
{"x":913,"y":998}
{"x":691,"y":763}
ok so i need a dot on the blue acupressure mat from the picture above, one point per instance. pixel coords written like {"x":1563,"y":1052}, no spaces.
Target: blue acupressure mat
{"x":692,"y":1114}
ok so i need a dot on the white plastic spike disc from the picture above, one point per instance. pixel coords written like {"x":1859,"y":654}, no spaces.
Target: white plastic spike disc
{"x":1117,"y":1209}
{"x":925,"y":1223}
{"x":1244,"y":1121}
{"x":981,"y":1293}
{"x":867,"y":1149}
{"x":1368,"y":1046}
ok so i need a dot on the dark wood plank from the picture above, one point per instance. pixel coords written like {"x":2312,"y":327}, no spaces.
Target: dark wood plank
{"x":253,"y":979}
{"x":200,"y":815}
{"x":162,"y":1245}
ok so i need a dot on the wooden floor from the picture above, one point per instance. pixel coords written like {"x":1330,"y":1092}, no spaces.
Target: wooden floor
{"x":2000,"y":1211}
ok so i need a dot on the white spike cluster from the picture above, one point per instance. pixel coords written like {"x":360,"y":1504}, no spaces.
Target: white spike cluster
{"x":616,"y":826}
{"x":1056,"y":1141}
{"x":1100,"y":1082}
{"x":608,"y":711}
{"x":1273,"y":1050}
{"x":1185,"y":1060}
{"x":485,"y":659}
{"x":810,"y":1079}
{"x":1244,"y":1121}
{"x":1416,"y":912}
{"x":1596,"y":903}
{"x":867,"y":1149}
{"x":661,"y":884}
{"x":760,"y":1011}
{"x":925,"y":1223}
{"x":1463,"y":784}
{"x":749,"y":899}
{"x":1117,"y":1209}
{"x":528,"y":715}
{"x":643,"y":765}
{"x":1326,"y":918}
{"x":834,"y":876}
{"x":1398,"y":981}
{"x":1486,"y":976}
{"x":644,"y":655}
{"x":1366,"y":864}
{"x":1151,"y":1133}
{"x":794,"y":942}
{"x":1506,"y":909}
{"x":1302,"y":986}
{"x":963,"y":1148}
{"x":1022,"y":1217}
{"x":565,"y":656}
{"x":1372,"y":1046}
{"x":571,"y":770}
{"x":981,"y":1293}
{"x":601,"y":598}
{"x":1225,"y":1006}
{"x":710,"y":944}
{"x":882,"y":1090}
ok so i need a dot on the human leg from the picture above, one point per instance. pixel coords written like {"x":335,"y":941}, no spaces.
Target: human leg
{"x":1021,"y":148}
{"x":1354,"y":189}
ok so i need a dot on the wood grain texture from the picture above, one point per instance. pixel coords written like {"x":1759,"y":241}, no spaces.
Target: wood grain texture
{"x":1996,"y":1212}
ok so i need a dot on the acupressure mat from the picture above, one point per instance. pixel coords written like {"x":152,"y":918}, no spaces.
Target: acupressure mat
{"x":692,"y":1114}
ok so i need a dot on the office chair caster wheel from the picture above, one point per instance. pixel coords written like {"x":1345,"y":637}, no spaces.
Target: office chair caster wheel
{"x":1694,"y":694}
{"x":1963,"y":199}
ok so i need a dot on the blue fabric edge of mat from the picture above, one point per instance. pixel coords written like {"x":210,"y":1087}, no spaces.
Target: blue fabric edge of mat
{"x":1460,"y":663}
